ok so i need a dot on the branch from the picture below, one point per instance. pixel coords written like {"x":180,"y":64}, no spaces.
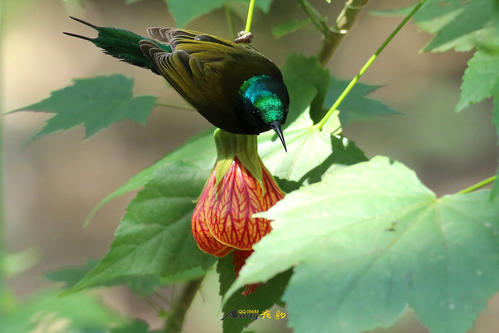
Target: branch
{"x":332,"y":37}
{"x":179,"y":309}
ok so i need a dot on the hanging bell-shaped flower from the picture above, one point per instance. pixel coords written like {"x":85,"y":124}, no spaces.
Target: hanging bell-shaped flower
{"x":238,"y":187}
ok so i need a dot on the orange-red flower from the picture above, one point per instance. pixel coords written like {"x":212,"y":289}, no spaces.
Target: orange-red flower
{"x":238,"y":187}
{"x":223,"y":218}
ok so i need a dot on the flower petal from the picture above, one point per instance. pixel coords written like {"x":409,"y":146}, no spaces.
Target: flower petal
{"x":202,"y":213}
{"x":238,"y":196}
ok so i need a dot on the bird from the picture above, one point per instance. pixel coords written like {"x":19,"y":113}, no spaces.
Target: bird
{"x":231,"y":84}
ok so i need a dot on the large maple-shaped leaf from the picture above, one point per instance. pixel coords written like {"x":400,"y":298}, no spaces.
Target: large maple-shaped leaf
{"x":311,"y":151}
{"x":372,"y":239}
{"x":199,"y":150}
{"x":154,"y":236}
{"x":95,"y":103}
{"x":141,"y":285}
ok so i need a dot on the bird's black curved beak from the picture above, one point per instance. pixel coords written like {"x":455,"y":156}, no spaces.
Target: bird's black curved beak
{"x":276,"y":126}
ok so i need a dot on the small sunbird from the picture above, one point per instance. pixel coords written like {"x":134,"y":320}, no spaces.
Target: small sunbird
{"x":230,"y":84}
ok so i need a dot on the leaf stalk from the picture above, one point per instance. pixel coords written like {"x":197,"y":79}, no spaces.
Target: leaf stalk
{"x":478,"y":185}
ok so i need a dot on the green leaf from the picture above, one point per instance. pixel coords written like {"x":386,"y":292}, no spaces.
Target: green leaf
{"x":154,"y":237}
{"x":188,"y":275}
{"x":306,"y":80}
{"x":456,"y":23}
{"x":198,"y":150}
{"x":71,"y":275}
{"x":310,"y":152}
{"x":141,"y":285}
{"x":376,"y":240}
{"x":480,"y":80}
{"x":289,"y":26}
{"x":81,"y":313}
{"x":184,"y":11}
{"x":265,"y":296}
{"x":356,"y":106}
{"x":96,"y":103}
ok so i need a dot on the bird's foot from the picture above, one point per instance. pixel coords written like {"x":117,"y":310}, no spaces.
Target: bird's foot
{"x":244,"y":37}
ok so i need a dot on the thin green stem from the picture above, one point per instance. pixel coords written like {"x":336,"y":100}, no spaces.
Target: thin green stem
{"x":230,"y":23}
{"x":368,"y":64}
{"x":251,"y":8}
{"x":175,"y":106}
{"x":176,"y":316}
{"x":478,"y":185}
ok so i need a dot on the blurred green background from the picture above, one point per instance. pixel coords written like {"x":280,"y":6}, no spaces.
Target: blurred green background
{"x":53,"y":183}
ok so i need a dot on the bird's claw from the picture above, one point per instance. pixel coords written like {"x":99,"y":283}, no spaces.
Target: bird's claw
{"x":244,"y":37}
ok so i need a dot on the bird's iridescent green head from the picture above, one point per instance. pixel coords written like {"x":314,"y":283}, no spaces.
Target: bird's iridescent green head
{"x":265,"y":102}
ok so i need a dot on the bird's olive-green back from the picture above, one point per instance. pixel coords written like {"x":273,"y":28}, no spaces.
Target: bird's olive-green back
{"x":208,"y":72}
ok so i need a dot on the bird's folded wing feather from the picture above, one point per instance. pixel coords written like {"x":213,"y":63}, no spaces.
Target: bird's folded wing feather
{"x":205,"y":69}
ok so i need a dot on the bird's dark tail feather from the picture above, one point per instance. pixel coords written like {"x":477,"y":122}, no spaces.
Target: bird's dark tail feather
{"x":84,"y":22}
{"x":77,"y":36}
{"x":121,"y":44}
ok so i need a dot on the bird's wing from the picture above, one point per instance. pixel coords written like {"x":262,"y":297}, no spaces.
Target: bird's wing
{"x":176,"y":37}
{"x":206,"y":70}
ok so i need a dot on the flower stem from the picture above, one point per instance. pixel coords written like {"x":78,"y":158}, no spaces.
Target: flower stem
{"x":250,"y":16}
{"x":478,"y":185}
{"x":179,"y":309}
{"x":368,"y":64}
